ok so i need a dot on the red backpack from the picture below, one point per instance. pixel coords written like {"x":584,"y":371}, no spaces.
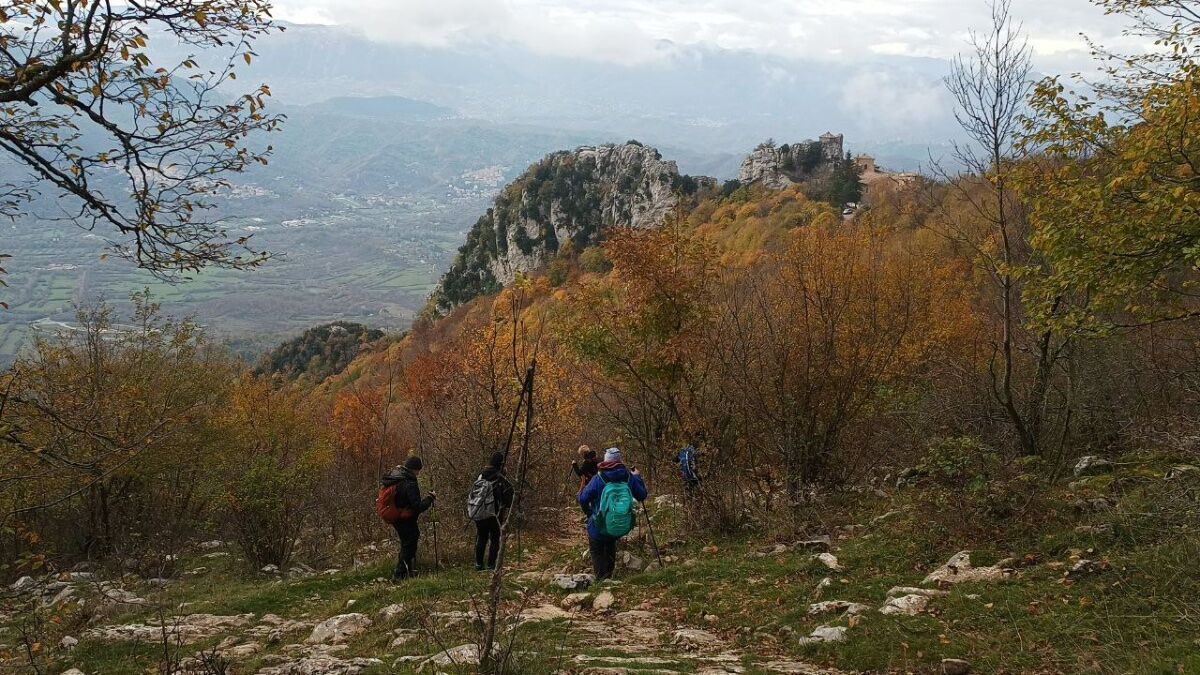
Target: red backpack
{"x":385,"y":506}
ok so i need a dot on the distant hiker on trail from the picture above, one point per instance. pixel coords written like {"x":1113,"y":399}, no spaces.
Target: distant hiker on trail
{"x":399,"y":504}
{"x":491,"y":496}
{"x":585,"y":467}
{"x":608,"y":502}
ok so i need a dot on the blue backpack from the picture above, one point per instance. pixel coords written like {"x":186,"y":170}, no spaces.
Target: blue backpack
{"x":614,"y":514}
{"x":687,"y":465}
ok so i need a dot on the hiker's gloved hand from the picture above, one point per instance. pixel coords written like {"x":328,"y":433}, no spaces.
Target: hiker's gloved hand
{"x":635,"y":472}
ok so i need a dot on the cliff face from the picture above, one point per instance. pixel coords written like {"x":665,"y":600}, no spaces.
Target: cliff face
{"x":777,"y":167}
{"x":568,"y":196}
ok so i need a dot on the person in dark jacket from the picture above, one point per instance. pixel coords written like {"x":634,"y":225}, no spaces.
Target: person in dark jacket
{"x":585,"y":467}
{"x":487,"y":530}
{"x":408,"y":496}
{"x":603,"y":548}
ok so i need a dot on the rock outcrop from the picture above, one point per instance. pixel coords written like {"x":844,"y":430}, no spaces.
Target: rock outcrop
{"x":777,"y":167}
{"x":568,"y":196}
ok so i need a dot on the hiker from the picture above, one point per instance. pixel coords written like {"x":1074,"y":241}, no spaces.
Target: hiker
{"x":399,"y":503}
{"x":491,"y":496}
{"x":608,"y":503}
{"x":584,"y":467}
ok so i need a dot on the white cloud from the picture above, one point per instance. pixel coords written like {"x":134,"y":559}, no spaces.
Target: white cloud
{"x":892,"y":104}
{"x":632,"y":31}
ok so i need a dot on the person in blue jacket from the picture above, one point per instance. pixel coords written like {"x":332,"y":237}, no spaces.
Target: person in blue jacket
{"x":604,"y":548}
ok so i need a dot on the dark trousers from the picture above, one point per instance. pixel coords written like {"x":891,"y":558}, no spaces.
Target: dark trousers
{"x":604,"y":556}
{"x":406,"y":562}
{"x":487,"y":537}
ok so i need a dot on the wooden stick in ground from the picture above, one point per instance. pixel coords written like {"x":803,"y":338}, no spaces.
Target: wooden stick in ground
{"x":487,"y":657}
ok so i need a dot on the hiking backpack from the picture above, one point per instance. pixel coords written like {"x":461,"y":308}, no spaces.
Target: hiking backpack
{"x":481,"y":502}
{"x":385,"y":506}
{"x":614,"y":513}
{"x":687,"y":465}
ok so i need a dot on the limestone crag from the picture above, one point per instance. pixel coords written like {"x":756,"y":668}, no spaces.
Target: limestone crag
{"x":779,"y":166}
{"x":567,"y":197}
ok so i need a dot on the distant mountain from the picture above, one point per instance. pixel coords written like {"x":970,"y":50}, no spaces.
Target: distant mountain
{"x":390,"y":108}
{"x":705,"y":99}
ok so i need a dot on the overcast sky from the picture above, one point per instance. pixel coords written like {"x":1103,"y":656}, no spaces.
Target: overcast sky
{"x":640,"y":31}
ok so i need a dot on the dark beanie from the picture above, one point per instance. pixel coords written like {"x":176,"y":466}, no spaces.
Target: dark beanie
{"x":497,"y":460}
{"x":413,"y":463}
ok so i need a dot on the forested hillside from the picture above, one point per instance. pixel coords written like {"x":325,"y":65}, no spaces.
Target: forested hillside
{"x":951,"y":430}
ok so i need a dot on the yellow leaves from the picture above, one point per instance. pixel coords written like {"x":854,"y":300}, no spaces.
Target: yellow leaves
{"x":201,"y":17}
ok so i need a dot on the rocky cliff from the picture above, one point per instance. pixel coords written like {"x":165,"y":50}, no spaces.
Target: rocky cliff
{"x":777,"y":167}
{"x":567,"y":196}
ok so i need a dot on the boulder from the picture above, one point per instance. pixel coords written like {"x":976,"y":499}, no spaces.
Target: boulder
{"x":1090,"y":465}
{"x":820,"y":544}
{"x":573,"y":582}
{"x":824,"y":634}
{"x":68,"y":643}
{"x":631,"y":562}
{"x":321,"y":664}
{"x":959,"y":570}
{"x":836,"y":607}
{"x":543,"y":613}
{"x":956,"y":667}
{"x":23,"y":585}
{"x":403,"y":636}
{"x":73,"y":671}
{"x":462,"y":655}
{"x":691,"y":639}
{"x":603,"y":601}
{"x":577,"y":600}
{"x":896,"y":591}
{"x":908,"y":605}
{"x":391,"y":612}
{"x":339,"y":629}
{"x":830,"y":561}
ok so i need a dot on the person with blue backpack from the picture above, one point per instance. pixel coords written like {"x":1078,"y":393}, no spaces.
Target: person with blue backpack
{"x":609,"y":501}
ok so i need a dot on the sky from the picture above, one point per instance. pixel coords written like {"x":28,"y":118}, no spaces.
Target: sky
{"x":636,"y":32}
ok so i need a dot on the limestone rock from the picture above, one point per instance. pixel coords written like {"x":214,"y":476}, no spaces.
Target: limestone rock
{"x":462,"y":655}
{"x":1090,"y":465}
{"x":321,"y":664}
{"x":603,"y":601}
{"x":339,"y":629}
{"x":692,"y":639}
{"x":23,"y":585}
{"x":543,"y":613}
{"x":956,"y":667}
{"x":184,"y":630}
{"x":830,"y":560}
{"x":68,"y":642}
{"x":896,"y":591}
{"x":959,"y":570}
{"x":836,"y":607}
{"x":391,"y":612}
{"x":73,"y":671}
{"x":825,"y":634}
{"x":403,"y":636}
{"x":577,"y":600}
{"x":822,"y":544}
{"x":573,"y":582}
{"x":908,"y":605}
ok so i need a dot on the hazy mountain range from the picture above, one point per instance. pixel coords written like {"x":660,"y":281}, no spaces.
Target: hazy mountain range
{"x":391,"y":152}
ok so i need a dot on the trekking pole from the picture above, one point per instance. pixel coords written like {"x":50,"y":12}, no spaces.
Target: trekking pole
{"x":650,"y":529}
{"x":437,"y":551}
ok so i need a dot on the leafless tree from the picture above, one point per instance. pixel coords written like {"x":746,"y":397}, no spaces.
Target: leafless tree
{"x":990,"y":86}
{"x":133,"y":147}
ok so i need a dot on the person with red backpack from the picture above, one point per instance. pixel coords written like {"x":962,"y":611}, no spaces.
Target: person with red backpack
{"x":608,"y":501}
{"x":399,"y":503}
